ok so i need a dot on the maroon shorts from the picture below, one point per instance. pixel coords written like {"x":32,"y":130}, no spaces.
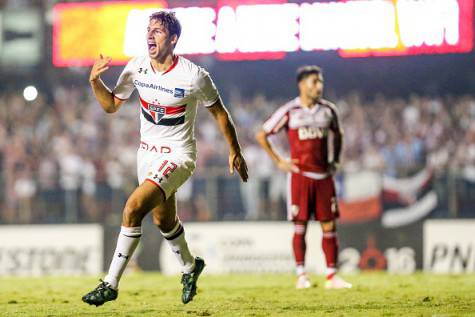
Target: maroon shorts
{"x":309,"y":197}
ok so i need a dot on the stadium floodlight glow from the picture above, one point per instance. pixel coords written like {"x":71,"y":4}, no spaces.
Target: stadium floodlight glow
{"x":135,"y":33}
{"x":30,"y":93}
{"x":366,"y":33}
{"x":226,"y":31}
{"x":83,"y":30}
{"x":353,"y":28}
{"x":428,"y":22}
{"x":193,"y":40}
{"x":267,"y":28}
{"x":427,"y":27}
{"x":196,"y":39}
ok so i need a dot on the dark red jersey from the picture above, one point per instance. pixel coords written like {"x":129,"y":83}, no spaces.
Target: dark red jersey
{"x":307,"y":131}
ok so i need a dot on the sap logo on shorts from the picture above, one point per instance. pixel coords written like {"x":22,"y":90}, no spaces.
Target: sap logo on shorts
{"x":294,"y":209}
{"x":179,"y":93}
{"x":306,"y":133}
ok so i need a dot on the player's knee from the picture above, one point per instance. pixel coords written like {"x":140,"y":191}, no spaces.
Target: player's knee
{"x":160,"y":221}
{"x":157,"y":219}
{"x":328,"y":226}
{"x":300,"y":230}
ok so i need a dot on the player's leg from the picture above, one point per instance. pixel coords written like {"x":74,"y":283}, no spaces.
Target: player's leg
{"x":330,"y":246}
{"x":298,"y":213}
{"x":327,"y":213}
{"x":141,"y":201}
{"x":165,"y":217}
{"x":299,"y":245}
{"x":299,"y":248}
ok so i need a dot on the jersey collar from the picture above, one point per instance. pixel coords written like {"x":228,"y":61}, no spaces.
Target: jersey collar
{"x":314,"y":107}
{"x":175,"y":62}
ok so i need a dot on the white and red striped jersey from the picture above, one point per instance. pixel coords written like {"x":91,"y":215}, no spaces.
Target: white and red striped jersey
{"x":167,"y":100}
{"x":307,"y":132}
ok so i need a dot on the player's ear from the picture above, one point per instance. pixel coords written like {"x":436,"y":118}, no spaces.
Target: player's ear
{"x":174,"y":39}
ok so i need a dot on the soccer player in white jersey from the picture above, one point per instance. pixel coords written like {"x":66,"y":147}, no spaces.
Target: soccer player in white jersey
{"x":170,"y":87}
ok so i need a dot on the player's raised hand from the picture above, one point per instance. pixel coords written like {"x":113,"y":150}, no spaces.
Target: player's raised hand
{"x":289,"y":166}
{"x":100,"y":65}
{"x":236,"y":161}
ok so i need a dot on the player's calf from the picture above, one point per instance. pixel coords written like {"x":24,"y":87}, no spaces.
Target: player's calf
{"x":330,"y":249}
{"x":190,"y":266}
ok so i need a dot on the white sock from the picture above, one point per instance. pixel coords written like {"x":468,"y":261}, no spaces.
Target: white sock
{"x":126,"y":243}
{"x":177,"y":242}
{"x":300,"y":269}
{"x":331,"y":271}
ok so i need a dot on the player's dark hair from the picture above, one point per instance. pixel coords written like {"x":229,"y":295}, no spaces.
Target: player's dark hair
{"x":305,"y":71}
{"x":169,"y":21}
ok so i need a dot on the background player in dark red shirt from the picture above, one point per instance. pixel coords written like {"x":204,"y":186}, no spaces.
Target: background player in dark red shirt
{"x":315,"y":140}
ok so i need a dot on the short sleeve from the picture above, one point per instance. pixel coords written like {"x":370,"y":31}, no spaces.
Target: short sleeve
{"x":277,"y":121}
{"x":206,"y":90}
{"x":125,"y":86}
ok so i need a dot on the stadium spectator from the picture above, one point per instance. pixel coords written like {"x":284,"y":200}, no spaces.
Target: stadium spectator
{"x":50,"y":165}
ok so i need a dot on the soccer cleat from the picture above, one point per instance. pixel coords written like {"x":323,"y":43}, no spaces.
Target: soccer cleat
{"x":337,"y":282}
{"x":303,"y":282}
{"x":189,"y":281}
{"x":101,"y":294}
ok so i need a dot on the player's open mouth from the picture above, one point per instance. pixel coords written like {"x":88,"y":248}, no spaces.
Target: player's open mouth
{"x":152,"y":46}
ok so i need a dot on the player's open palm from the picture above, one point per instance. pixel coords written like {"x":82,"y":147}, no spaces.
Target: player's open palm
{"x":237,"y":162}
{"x":289,"y":166}
{"x":100,"y":66}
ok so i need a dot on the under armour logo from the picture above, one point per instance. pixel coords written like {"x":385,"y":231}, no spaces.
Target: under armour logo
{"x":123,"y":256}
{"x":142,"y":70}
{"x":158,"y":178}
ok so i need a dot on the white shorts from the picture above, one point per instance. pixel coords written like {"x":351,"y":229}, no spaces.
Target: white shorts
{"x":167,"y":170}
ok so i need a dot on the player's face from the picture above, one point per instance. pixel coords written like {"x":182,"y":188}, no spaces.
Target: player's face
{"x":312,"y":86}
{"x":159,"y":41}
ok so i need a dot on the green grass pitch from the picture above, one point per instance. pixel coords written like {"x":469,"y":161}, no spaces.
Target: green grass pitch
{"x":152,"y":294}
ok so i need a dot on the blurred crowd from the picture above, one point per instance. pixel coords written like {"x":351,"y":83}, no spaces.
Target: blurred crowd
{"x":68,"y":161}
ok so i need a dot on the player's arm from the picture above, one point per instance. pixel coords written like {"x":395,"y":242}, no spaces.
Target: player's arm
{"x":283,"y":163}
{"x":337,"y":142}
{"x":226,"y":125}
{"x":103,"y":94}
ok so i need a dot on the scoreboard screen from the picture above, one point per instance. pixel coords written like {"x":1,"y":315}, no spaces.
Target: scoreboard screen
{"x":235,"y":30}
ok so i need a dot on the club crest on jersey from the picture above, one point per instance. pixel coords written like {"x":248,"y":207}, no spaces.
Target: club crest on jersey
{"x":179,"y":93}
{"x":157,"y":112}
